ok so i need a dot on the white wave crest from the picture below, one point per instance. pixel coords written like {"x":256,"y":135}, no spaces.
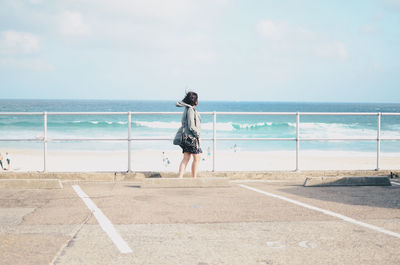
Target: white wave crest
{"x":339,"y":130}
{"x":158,"y":124}
{"x":221,"y":126}
{"x":227,"y":126}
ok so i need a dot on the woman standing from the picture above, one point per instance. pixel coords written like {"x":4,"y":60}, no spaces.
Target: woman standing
{"x":191,"y":127}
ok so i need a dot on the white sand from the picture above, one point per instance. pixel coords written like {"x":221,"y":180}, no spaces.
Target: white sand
{"x":152,"y":160}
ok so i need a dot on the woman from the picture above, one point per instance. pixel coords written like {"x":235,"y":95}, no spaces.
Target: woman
{"x":191,"y":126}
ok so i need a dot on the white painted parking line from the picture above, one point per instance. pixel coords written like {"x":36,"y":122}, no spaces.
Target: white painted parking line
{"x":258,"y":180}
{"x":103,"y":221}
{"x":395,"y":183}
{"x":327,"y":212}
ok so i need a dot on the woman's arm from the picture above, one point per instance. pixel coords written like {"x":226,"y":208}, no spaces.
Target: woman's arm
{"x":192,"y":124}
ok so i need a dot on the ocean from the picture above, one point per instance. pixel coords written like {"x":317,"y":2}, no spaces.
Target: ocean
{"x":241,"y":126}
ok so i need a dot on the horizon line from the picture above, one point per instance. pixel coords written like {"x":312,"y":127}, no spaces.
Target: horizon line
{"x":205,"y":100}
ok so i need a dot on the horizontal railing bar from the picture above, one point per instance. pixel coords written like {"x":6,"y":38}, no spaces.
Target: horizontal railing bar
{"x":206,"y":113}
{"x":349,"y":139}
{"x":20,"y":113}
{"x":255,"y":113}
{"x":256,"y":139}
{"x":87,"y":139}
{"x":339,"y":139}
{"x":390,"y":113}
{"x":165,"y":113}
{"x":87,"y":113}
{"x":339,"y":113}
{"x":203,"y":139}
{"x":21,"y":140}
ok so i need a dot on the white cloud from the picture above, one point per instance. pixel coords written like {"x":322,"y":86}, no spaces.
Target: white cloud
{"x":369,"y":29}
{"x":153,"y":9}
{"x":282,"y":31}
{"x":21,"y":3}
{"x":333,"y":50}
{"x":377,"y":66}
{"x":184,"y":30}
{"x":293,"y":40}
{"x":14,"y":42}
{"x":395,"y":3}
{"x":73,"y":24}
{"x":270,"y":30}
{"x":36,"y":2}
{"x":26,"y":64}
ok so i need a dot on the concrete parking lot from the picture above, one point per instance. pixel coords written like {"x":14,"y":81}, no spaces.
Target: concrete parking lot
{"x":268,"y":222}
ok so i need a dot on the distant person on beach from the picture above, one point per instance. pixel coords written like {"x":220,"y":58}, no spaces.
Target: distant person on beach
{"x":1,"y":161}
{"x":8,"y":160}
{"x":188,"y":136}
{"x":235,"y":148}
{"x":165,"y":160}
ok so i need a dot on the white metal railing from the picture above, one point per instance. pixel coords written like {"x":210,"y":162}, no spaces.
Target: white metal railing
{"x":214,"y":139}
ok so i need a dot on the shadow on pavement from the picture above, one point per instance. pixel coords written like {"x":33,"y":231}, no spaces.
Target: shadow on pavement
{"x":383,"y":196}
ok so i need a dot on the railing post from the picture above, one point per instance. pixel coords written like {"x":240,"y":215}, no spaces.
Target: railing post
{"x":214,"y":138}
{"x":44,"y":141}
{"x":378,"y":138}
{"x":129,"y":140}
{"x":297,"y":140}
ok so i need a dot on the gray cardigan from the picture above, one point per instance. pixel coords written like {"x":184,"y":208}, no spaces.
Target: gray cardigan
{"x":190,"y":119}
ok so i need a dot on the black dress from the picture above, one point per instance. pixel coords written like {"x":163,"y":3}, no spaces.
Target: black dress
{"x":192,"y":148}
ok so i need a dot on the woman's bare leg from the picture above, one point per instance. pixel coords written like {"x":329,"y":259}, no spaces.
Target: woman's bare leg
{"x":185,"y":161}
{"x":195,"y":164}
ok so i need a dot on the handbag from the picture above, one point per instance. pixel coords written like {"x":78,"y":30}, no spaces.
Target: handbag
{"x":179,"y":136}
{"x":184,"y":139}
{"x":188,"y":140}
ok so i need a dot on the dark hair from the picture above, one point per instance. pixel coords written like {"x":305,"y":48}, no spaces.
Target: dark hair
{"x":191,"y":98}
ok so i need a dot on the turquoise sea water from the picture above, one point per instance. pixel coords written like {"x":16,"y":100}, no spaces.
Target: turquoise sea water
{"x":242,"y":126}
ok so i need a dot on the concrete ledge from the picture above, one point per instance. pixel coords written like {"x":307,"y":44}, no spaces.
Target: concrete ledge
{"x":232,"y":175}
{"x":346,"y":181}
{"x":184,"y":182}
{"x":31,"y":184}
{"x":78,"y":176}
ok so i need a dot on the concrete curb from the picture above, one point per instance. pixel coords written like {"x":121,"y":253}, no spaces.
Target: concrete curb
{"x":31,"y":184}
{"x":346,"y":181}
{"x":232,"y":175}
{"x":184,"y":182}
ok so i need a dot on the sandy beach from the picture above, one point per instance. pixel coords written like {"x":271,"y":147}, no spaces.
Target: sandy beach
{"x":155,"y":160}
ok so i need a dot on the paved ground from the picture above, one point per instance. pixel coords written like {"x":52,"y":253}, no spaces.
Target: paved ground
{"x":201,"y":225}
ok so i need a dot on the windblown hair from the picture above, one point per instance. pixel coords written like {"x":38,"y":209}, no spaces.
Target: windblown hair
{"x":191,"y":98}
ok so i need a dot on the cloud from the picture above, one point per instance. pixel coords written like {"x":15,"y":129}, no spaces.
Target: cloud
{"x":14,"y":42}
{"x":36,"y":2}
{"x":369,"y":29}
{"x":21,"y":3}
{"x":270,"y":30}
{"x":333,"y":50}
{"x":152,"y":9}
{"x":26,"y":64}
{"x":175,"y":30}
{"x":291,"y":40}
{"x":282,"y":31}
{"x":392,"y":3}
{"x":73,"y":24}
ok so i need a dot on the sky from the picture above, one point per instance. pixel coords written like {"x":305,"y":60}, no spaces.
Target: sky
{"x":234,"y":50}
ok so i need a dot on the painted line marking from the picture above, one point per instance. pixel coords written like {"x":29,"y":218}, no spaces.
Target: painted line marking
{"x":257,"y":180}
{"x":344,"y":218}
{"x":395,"y":183}
{"x":103,"y":221}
